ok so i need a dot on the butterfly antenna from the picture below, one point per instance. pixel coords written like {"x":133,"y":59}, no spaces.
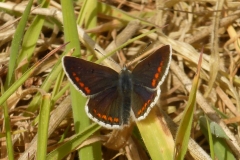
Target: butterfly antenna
{"x":107,"y":57}
{"x":139,"y":54}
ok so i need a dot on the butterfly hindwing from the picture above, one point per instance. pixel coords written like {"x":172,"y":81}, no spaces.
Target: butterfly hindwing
{"x":106,"y":108}
{"x":88,"y":77}
{"x":143,"y":100}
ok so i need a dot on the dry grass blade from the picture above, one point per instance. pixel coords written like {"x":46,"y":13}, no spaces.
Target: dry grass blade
{"x":125,"y":27}
{"x":215,"y":57}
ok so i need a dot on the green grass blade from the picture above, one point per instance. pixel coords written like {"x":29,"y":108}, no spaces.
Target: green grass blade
{"x":81,"y":120}
{"x":69,"y":146}
{"x":220,"y":147}
{"x":60,"y":93}
{"x":88,"y":17}
{"x":210,"y":139}
{"x":184,"y":130}
{"x":57,"y":84}
{"x":8,"y":132}
{"x":43,"y":127}
{"x":15,"y":45}
{"x":30,"y":38}
{"x":71,"y":35}
{"x":7,"y":125}
{"x":156,"y":136}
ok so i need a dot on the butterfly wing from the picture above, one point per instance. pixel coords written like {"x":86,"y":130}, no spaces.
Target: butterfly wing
{"x":87,"y":77}
{"x":147,"y":77}
{"x":106,"y":109}
{"x":99,"y":83}
{"x":152,"y":71}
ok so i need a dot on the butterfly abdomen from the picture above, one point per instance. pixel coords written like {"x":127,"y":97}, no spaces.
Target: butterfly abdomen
{"x":125,"y":90}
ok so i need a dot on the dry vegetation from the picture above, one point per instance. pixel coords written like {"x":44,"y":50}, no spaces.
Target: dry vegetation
{"x":190,"y":27}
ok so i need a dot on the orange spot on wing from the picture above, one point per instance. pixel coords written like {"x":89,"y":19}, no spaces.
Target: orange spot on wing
{"x":99,"y":115}
{"x":87,"y":90}
{"x":74,"y":74}
{"x":116,"y":120}
{"x":156,"y":75}
{"x":81,"y":84}
{"x":160,"y":67}
{"x":161,"y":64}
{"x":77,"y":79}
{"x":104,"y":117}
{"x":110,"y":119}
{"x":154,"y":82}
{"x":139,"y":112}
{"x":144,"y":107}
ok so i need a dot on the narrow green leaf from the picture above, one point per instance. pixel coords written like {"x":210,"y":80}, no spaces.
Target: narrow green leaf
{"x":184,"y":130}
{"x":7,"y":125}
{"x":69,"y":146}
{"x":210,"y":139}
{"x":43,"y":127}
{"x":156,"y":136}
{"x":30,"y":38}
{"x":221,"y":148}
{"x":81,"y":120}
{"x":16,"y":44}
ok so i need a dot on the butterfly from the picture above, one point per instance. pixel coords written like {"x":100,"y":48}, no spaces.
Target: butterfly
{"x":114,"y":98}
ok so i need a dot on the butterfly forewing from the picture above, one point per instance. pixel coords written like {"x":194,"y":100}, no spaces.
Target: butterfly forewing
{"x":151,"y":71}
{"x":88,"y":77}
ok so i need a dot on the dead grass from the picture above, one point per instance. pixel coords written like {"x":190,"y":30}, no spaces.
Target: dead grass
{"x":188,"y":26}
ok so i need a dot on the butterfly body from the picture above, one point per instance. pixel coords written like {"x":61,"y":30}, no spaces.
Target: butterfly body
{"x":114,"y":98}
{"x":125,"y":91}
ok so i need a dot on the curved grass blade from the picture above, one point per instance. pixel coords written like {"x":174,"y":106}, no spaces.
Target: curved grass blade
{"x":15,"y":45}
{"x":69,"y":146}
{"x":183,"y":133}
{"x":31,"y":36}
{"x":43,"y":127}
